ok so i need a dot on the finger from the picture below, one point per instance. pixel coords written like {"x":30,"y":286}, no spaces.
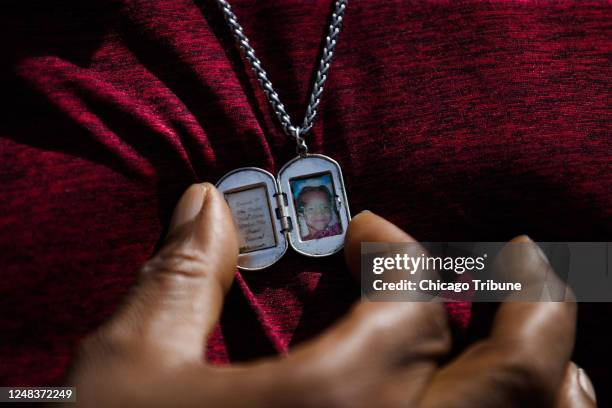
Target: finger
{"x":576,"y":390}
{"x":179,"y":296}
{"x":523,"y":360}
{"x":369,"y":227}
{"x":373,"y":340}
{"x":379,"y":334}
{"x":429,"y":316}
{"x":387,"y":242}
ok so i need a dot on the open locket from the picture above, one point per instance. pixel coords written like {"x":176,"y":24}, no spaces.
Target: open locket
{"x":305,"y":206}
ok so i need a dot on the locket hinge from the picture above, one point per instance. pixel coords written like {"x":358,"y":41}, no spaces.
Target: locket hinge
{"x":282,"y":212}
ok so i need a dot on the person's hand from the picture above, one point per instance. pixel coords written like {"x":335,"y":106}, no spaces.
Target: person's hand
{"x":382,"y":354}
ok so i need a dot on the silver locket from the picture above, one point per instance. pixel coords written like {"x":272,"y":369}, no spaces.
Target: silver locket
{"x":305,"y":207}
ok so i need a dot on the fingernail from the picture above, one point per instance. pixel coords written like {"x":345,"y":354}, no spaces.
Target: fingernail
{"x":189,"y":205}
{"x":366,"y":212}
{"x":527,"y":240}
{"x":586,"y":384}
{"x":522,"y":238}
{"x":543,"y":256}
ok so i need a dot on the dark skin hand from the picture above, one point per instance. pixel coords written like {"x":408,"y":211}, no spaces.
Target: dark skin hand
{"x":382,"y":354}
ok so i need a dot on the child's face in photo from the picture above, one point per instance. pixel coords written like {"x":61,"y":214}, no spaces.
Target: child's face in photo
{"x":317,"y":210}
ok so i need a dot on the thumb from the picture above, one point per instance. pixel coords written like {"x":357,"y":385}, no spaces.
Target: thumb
{"x":179,"y":296}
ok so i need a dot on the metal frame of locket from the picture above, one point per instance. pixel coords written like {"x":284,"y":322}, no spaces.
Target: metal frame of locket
{"x":280,"y":210}
{"x":268,"y":220}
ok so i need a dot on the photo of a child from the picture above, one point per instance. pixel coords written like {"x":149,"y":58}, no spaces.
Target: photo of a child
{"x":315,"y":205}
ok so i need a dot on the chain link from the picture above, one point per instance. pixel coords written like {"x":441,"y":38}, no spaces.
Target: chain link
{"x":317,"y":89}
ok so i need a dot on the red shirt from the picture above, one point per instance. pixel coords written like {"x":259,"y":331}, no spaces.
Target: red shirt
{"x":455,"y":120}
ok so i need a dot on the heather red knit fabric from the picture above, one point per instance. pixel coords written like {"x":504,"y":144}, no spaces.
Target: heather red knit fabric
{"x":462,"y":120}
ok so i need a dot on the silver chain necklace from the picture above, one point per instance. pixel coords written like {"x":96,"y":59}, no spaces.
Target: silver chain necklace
{"x":333,"y":31}
{"x":306,"y":205}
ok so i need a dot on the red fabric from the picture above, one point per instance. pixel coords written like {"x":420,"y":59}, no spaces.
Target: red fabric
{"x":460,"y":120}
